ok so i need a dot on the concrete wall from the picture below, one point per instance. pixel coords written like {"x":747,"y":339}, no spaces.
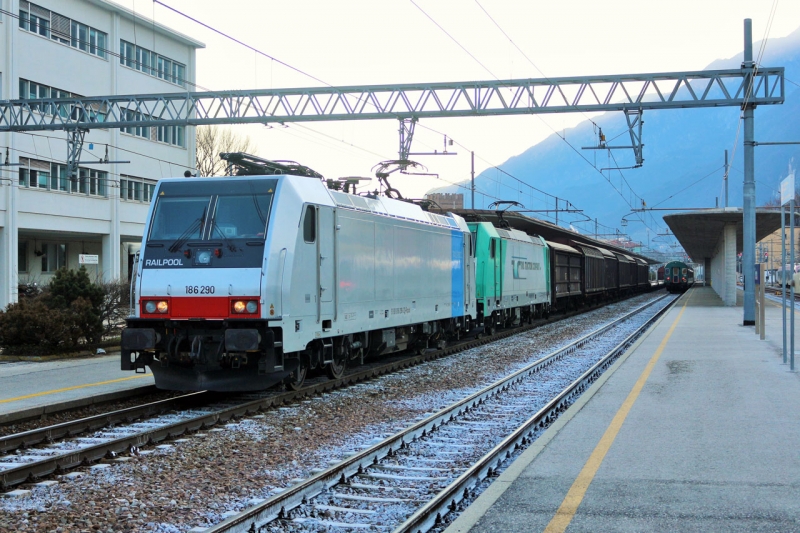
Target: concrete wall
{"x":723,"y":266}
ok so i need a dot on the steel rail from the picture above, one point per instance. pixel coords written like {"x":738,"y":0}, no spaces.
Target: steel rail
{"x":32,"y":471}
{"x":279,"y":505}
{"x":432,"y":513}
{"x":33,"y":413}
{"x":92,"y":423}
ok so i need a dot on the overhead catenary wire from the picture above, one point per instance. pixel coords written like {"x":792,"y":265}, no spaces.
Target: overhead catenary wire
{"x":454,"y":39}
{"x":523,"y":53}
{"x":673,"y":195}
{"x":234,"y":39}
{"x":224,"y":34}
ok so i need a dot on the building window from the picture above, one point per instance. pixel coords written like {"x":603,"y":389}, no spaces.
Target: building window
{"x":171,"y":135}
{"x":152,"y":63}
{"x":139,"y":131}
{"x":31,"y":90}
{"x":58,"y":178}
{"x":136,"y":189}
{"x":36,"y":174}
{"x":54,"y":257}
{"x":174,"y":135}
{"x":92,"y":182}
{"x":22,"y":256}
{"x":46,"y":23}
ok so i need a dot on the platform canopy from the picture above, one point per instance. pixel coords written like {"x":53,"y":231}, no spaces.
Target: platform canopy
{"x":699,"y":232}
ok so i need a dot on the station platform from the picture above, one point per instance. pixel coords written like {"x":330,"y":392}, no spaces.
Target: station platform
{"x":27,"y":389}
{"x":695,"y":428}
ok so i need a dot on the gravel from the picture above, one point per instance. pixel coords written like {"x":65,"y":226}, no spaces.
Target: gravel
{"x":195,"y":482}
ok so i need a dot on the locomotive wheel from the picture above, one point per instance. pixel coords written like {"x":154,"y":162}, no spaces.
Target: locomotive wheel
{"x":335,"y":369}
{"x":296,"y":379}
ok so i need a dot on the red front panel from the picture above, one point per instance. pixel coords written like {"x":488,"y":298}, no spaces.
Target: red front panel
{"x":212,"y":307}
{"x":200,"y":307}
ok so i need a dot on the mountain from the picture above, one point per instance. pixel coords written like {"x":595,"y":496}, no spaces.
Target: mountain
{"x":683,"y":149}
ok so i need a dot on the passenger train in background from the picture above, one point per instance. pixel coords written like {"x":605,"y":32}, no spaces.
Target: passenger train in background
{"x":247,"y":281}
{"x":678,"y":276}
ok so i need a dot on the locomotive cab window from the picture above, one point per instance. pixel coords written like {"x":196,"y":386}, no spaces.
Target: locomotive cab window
{"x":194,"y":210}
{"x":493,"y":249}
{"x":209,"y":223}
{"x":310,"y":224}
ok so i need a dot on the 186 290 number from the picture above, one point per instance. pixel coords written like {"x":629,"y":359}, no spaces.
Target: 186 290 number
{"x":200,"y":289}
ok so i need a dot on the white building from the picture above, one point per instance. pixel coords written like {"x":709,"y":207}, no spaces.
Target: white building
{"x":54,"y":48}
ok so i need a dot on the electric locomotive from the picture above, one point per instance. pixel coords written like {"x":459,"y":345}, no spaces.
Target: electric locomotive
{"x":247,"y":281}
{"x":512,"y":276}
{"x":678,"y":276}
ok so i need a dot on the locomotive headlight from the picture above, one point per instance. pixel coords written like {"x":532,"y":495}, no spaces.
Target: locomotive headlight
{"x":251,"y":307}
{"x":239,"y":307}
{"x":204,"y":257}
{"x":162,"y":306}
{"x":150,"y":307}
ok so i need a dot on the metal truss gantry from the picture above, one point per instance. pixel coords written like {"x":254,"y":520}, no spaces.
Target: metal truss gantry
{"x":637,"y":92}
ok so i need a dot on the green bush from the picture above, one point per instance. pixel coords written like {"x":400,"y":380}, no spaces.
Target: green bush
{"x":67,"y":315}
{"x":72,"y":290}
{"x":30,"y":327}
{"x":69,"y":285}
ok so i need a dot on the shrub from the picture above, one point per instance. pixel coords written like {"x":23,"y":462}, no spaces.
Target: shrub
{"x":72,"y":290}
{"x":71,"y":311}
{"x":31,"y":327}
{"x":69,"y":285}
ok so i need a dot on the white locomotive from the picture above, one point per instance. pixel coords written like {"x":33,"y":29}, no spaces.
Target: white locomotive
{"x":247,"y":281}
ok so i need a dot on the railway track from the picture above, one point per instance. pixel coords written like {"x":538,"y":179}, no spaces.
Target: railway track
{"x":776,"y":291}
{"x":411,"y":480}
{"x":36,"y":454}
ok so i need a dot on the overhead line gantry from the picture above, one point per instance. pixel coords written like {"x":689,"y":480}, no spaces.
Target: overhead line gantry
{"x":408,"y":103}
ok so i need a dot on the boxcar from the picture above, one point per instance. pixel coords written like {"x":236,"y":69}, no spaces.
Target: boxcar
{"x":612,"y":271}
{"x":627,"y":272}
{"x":566,"y":274}
{"x":594,"y":271}
{"x":642,"y":275}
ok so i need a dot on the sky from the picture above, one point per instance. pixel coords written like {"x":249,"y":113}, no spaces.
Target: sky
{"x":355,"y":42}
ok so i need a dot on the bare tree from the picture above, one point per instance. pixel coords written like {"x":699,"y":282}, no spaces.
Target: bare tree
{"x":115,"y":306}
{"x":214,"y":140}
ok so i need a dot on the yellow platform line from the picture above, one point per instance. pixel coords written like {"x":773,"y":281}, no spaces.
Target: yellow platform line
{"x":76,"y":387}
{"x":566,"y":512}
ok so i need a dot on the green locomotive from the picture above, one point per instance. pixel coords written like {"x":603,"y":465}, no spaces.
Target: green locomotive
{"x":512,"y":276}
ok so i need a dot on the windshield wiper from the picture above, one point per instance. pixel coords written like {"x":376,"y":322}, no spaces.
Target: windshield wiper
{"x":186,"y":235}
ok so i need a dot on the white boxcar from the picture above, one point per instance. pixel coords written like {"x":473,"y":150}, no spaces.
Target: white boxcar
{"x":246,"y":281}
